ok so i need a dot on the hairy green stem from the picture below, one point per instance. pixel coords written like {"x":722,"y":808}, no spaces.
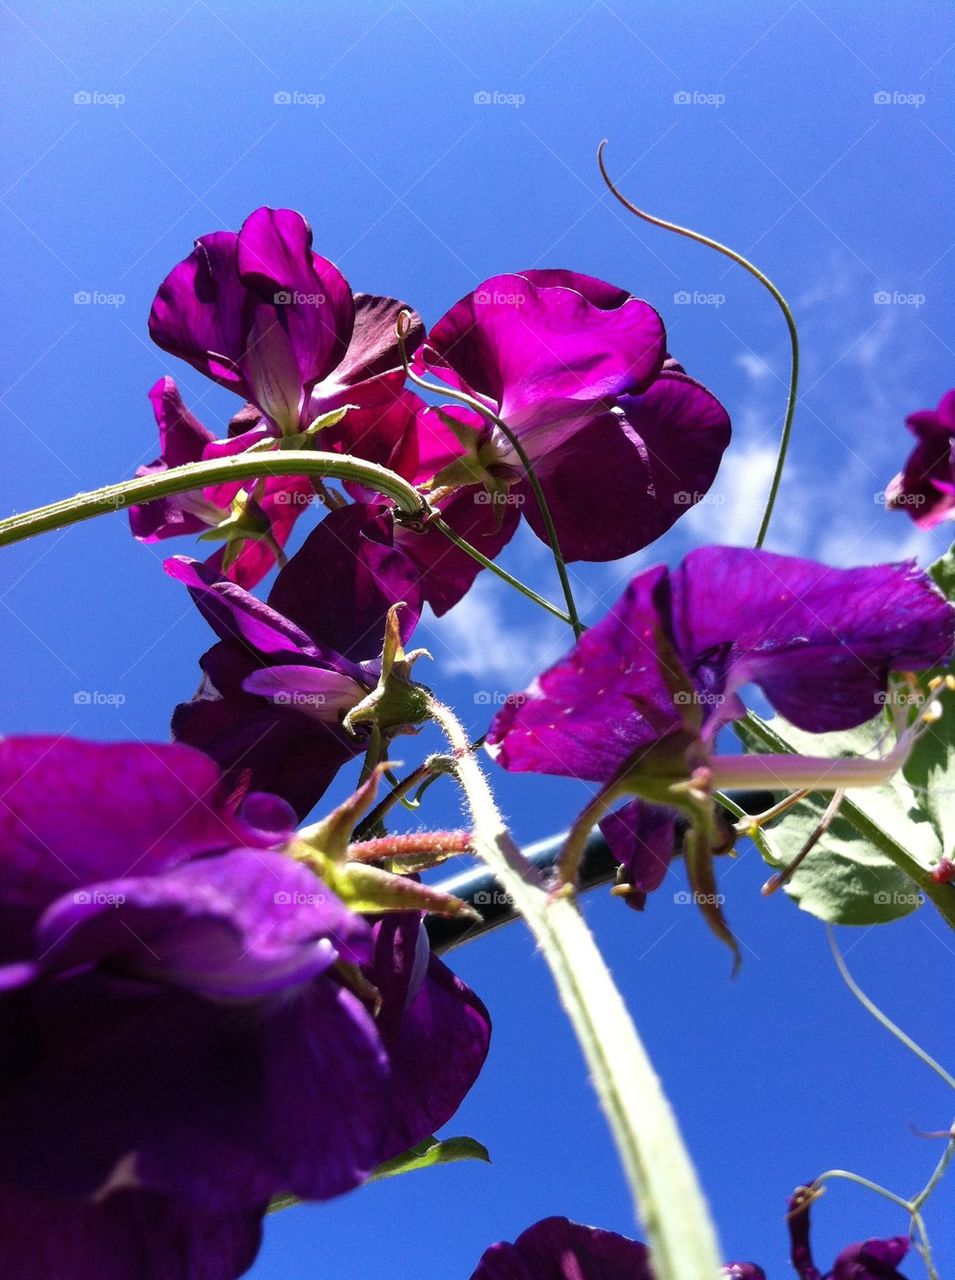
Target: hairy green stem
{"x":659,"y":1171}
{"x":197,"y":475}
{"x":781,"y":302}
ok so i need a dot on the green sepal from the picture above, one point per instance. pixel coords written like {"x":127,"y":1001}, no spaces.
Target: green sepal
{"x":431,"y":1152}
{"x":396,"y":703}
{"x":424,"y":1155}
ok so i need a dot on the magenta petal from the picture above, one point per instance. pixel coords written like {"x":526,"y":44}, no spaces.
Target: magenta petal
{"x":132,"y":1234}
{"x":526,"y":347}
{"x":199,"y":311}
{"x":590,"y":711}
{"x":599,"y":292}
{"x":557,"y":1249}
{"x":382,"y":428}
{"x":925,"y":489}
{"x":621,"y":481}
{"x":305,"y":296}
{"x":820,"y":642}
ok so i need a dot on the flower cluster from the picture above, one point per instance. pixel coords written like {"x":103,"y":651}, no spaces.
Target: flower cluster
{"x":206,"y":1008}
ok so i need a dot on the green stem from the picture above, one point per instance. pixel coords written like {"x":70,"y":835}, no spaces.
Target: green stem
{"x":658,"y":1169}
{"x":781,"y":302}
{"x":937,"y":1174}
{"x":197,"y":475}
{"x":437,"y":522}
{"x":871,"y":1007}
{"x":485,"y":412}
{"x":941,"y":896}
{"x":868,"y":1184}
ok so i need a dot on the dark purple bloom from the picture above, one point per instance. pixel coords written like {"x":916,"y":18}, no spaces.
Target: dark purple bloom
{"x":670,"y":656}
{"x":558,"y":1249}
{"x":180,"y":1042}
{"x":620,"y":438}
{"x":925,"y":488}
{"x":870,"y":1260}
{"x":284,"y":674}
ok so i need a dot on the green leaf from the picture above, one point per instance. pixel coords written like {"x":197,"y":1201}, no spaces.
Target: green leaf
{"x":432,"y":1152}
{"x":849,"y":878}
{"x":425,"y":1155}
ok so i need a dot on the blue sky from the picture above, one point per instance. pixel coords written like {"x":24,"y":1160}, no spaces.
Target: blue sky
{"x":817,"y":139}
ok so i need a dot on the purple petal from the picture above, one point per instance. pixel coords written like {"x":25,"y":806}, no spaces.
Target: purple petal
{"x":528,"y":349}
{"x":926,"y":486}
{"x":199,"y":312}
{"x":339,"y":587}
{"x":121,"y":808}
{"x":819,"y":642}
{"x":240,"y":925}
{"x":618,"y":483}
{"x":435,"y":1029}
{"x":182,"y":439}
{"x":373,"y":350}
{"x":642,"y":837}
{"x":222,"y":1104}
{"x":129,"y":1235}
{"x":871,"y":1260}
{"x":557,"y":1249}
{"x":325,"y":695}
{"x":446,"y":571}
{"x":589,"y":712}
{"x":236,"y":615}
{"x":271,"y":747}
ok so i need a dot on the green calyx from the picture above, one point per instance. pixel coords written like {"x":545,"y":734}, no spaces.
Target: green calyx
{"x":396,"y":703}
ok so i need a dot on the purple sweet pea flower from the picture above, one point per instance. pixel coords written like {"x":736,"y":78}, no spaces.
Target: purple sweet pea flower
{"x":285,"y":673}
{"x":621,"y":440}
{"x":259,"y":312}
{"x":870,"y":1260}
{"x":666,"y":663}
{"x":180,"y":1044}
{"x":183,"y":439}
{"x":558,"y":1249}
{"x":925,"y":488}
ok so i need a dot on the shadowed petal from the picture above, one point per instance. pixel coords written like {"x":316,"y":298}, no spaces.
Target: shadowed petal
{"x":619,"y":482}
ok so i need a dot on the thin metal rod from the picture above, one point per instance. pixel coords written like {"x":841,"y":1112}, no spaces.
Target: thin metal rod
{"x":479,"y":887}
